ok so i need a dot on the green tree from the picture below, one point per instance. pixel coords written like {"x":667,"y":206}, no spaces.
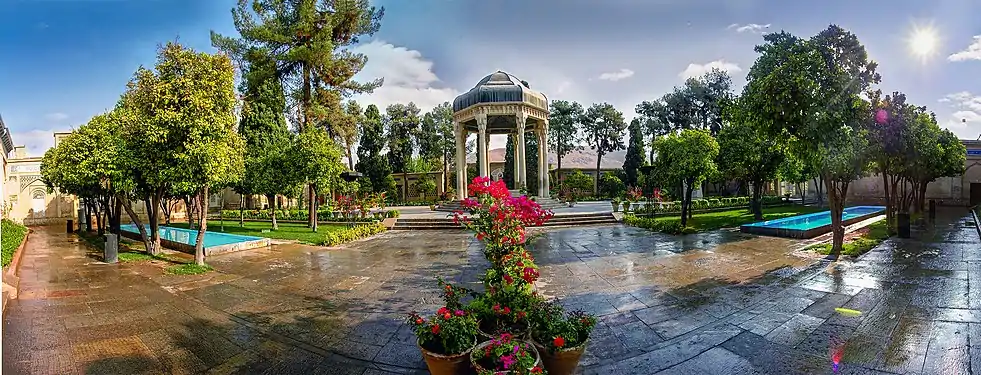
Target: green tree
{"x":403,"y":124}
{"x":747,"y":153}
{"x":603,"y":126}
{"x":810,"y":89}
{"x":611,"y":185}
{"x":309,"y":40}
{"x":442,"y":115}
{"x":635,"y":152}
{"x":87,"y":164}
{"x":677,"y":161}
{"x":797,"y":171}
{"x":653,"y":115}
{"x":320,"y":163}
{"x":268,"y":140}
{"x":371,"y":162}
{"x":179,"y":133}
{"x":563,"y":129}
{"x":578,"y":181}
{"x":348,"y":129}
{"x":430,"y":139}
{"x":531,"y":166}
{"x":509,"y":163}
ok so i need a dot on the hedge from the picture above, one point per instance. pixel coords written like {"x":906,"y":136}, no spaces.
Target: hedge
{"x":13,"y":235}
{"x":701,"y":204}
{"x":357,"y":232}
{"x":664,"y":226}
{"x":299,"y":215}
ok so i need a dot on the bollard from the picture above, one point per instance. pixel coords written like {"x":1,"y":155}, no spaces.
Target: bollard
{"x":111,"y":251}
{"x":70,"y":226}
{"x":933,"y":210}
{"x":903,"y":224}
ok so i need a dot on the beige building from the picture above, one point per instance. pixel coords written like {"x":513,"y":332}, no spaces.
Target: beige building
{"x":25,"y":197}
{"x":963,"y":190}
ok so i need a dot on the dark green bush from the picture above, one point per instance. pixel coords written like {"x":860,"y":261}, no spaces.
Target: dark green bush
{"x":12,"y":235}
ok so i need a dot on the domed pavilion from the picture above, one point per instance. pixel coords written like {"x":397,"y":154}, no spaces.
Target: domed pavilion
{"x":501,"y":104}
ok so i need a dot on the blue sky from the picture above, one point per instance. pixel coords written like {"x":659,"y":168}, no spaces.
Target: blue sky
{"x":65,"y":61}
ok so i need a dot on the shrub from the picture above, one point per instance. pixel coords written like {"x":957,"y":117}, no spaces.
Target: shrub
{"x":298,"y":215}
{"x":664,"y":226}
{"x":611,"y":185}
{"x":350,"y":234}
{"x":392,"y":214}
{"x":578,"y":180}
{"x":12,"y":235}
{"x":447,"y":332}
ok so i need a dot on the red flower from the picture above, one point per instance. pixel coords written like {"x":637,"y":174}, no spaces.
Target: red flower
{"x":558,"y":342}
{"x":496,"y":307}
{"x":536,"y":370}
{"x":447,"y":316}
{"x":480,"y":236}
{"x":521,"y":314}
{"x":435,"y":329}
{"x":443,"y":310}
{"x":507,"y":310}
{"x":508,"y":279}
{"x":420,"y":321}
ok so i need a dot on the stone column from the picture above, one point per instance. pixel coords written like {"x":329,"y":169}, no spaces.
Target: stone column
{"x":516,"y":156}
{"x":521,"y":119}
{"x":482,"y":145}
{"x":522,"y":166}
{"x":461,"y":160}
{"x":543,"y":142}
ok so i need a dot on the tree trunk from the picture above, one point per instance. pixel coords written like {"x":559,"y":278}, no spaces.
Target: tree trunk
{"x":312,"y":217}
{"x":241,"y":210}
{"x":558,"y":167}
{"x":800,"y":188}
{"x":272,"y":211}
{"x":890,"y":205}
{"x":199,"y":242}
{"x":599,"y":158}
{"x":189,"y":207}
{"x":99,"y":223}
{"x":757,"y":207}
{"x":147,"y":241}
{"x":686,"y":203}
{"x":836,"y":202}
{"x":350,"y":159}
{"x":922,"y":196}
{"x":307,"y":99}
{"x":153,"y":214}
{"x":116,"y":216}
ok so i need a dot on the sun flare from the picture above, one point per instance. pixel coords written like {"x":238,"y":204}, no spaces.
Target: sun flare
{"x":923,"y":41}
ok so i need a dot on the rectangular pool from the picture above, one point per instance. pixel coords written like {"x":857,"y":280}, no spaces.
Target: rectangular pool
{"x":184,"y":239}
{"x":810,"y":225}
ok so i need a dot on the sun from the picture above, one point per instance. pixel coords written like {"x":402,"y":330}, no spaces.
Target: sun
{"x":923,"y":41}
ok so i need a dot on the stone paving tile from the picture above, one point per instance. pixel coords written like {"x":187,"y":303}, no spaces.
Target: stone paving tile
{"x":745,"y":306}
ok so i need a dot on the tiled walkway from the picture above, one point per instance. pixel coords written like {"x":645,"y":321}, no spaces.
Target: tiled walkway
{"x":717,"y":303}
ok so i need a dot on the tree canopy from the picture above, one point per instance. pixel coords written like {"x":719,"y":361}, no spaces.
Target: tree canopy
{"x":677,"y":162}
{"x":603,"y":127}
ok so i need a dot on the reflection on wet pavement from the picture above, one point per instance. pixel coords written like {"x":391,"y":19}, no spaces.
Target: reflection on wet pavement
{"x":714,"y":303}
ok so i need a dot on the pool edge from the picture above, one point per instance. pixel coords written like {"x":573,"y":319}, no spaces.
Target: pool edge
{"x":803,"y":234}
{"x":208,"y":251}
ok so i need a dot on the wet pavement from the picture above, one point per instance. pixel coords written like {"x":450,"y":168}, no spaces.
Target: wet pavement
{"x":713,"y":303}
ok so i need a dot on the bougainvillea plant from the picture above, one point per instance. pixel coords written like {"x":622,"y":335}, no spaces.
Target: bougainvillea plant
{"x":498,"y":219}
{"x":505,"y":354}
{"x":448,"y":332}
{"x":556,"y":330}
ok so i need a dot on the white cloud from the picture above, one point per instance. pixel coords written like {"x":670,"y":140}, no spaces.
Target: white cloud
{"x":36,"y":141}
{"x":617,"y":75}
{"x":966,"y":119}
{"x":972,"y":52}
{"x":408,"y":77}
{"x":695,"y":70}
{"x":750,"y":27}
{"x":56,"y":117}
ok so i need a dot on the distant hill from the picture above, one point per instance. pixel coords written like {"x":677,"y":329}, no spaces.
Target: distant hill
{"x":585,"y":159}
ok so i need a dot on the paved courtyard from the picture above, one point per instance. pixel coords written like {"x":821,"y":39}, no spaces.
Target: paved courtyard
{"x":714,"y":303}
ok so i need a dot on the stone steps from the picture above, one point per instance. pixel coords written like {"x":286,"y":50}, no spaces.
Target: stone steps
{"x":559,"y":220}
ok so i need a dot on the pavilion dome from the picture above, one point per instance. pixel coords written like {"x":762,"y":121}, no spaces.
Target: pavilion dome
{"x":500,"y":87}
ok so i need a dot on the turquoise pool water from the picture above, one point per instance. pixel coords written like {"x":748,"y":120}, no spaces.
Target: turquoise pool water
{"x":817,"y":219}
{"x":190,"y":237}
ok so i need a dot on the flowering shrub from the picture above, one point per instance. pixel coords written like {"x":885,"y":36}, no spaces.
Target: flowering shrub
{"x":497,"y":218}
{"x":448,"y":332}
{"x":555,"y":330}
{"x":506,"y":354}
{"x":634,"y":193}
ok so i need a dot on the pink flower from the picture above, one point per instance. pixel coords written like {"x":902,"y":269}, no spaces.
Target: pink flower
{"x":881,"y":116}
{"x":508,"y":361}
{"x":459,"y":313}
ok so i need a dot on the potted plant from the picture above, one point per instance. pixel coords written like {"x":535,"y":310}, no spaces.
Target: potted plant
{"x":560,"y":338}
{"x":504,"y":355}
{"x":616,"y":204}
{"x":509,"y":297}
{"x":445,"y":339}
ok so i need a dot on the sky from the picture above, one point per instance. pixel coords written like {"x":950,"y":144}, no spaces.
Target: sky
{"x":64,"y":61}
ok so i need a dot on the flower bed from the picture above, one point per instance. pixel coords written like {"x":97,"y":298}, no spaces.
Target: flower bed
{"x":505,"y":308}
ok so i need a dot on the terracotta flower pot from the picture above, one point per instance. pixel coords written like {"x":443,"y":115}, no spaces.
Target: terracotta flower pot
{"x":478,"y":348}
{"x":562,"y":362}
{"x":442,"y":364}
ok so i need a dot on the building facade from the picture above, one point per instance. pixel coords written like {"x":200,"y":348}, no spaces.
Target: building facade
{"x":25,"y":197}
{"x":963,"y":190}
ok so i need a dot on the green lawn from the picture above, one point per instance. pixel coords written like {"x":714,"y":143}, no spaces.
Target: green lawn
{"x":734,"y":218}
{"x":875,"y":234}
{"x":286,"y":231}
{"x":12,"y":235}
